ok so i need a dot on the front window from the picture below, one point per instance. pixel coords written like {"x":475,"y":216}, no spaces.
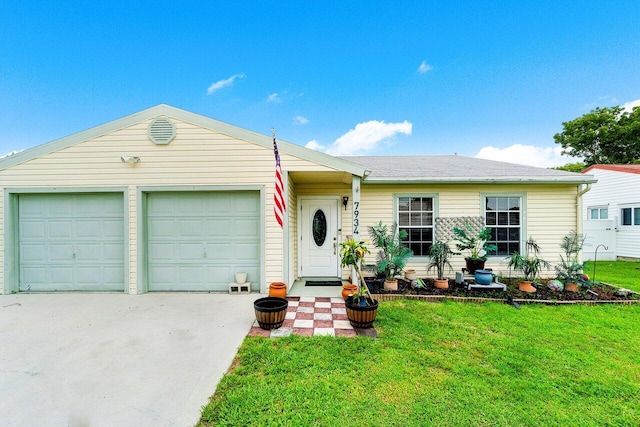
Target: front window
{"x":503,"y":215}
{"x":598,"y":213}
{"x":415,"y":216}
{"x":630,"y":216}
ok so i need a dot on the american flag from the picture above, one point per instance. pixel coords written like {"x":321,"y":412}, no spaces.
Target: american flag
{"x":278,"y":196}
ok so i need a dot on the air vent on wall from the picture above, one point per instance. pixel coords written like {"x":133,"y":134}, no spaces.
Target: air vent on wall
{"x":162,"y":130}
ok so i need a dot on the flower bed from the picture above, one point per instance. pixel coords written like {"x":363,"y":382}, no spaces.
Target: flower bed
{"x":600,"y":293}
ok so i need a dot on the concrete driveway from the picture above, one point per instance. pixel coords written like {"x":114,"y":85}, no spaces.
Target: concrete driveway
{"x":115,"y":359}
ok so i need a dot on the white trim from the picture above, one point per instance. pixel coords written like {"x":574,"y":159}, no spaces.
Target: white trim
{"x":436,"y":213}
{"x":301,"y":201}
{"x":523,"y":215}
{"x":142,"y":285}
{"x":11,"y":223}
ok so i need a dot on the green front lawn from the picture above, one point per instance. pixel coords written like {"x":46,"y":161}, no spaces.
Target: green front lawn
{"x":445,"y":364}
{"x":624,"y":274}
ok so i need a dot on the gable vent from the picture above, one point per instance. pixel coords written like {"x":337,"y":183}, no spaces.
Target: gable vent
{"x":162,"y":131}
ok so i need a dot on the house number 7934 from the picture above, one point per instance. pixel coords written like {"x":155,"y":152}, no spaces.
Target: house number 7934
{"x":356,"y":218}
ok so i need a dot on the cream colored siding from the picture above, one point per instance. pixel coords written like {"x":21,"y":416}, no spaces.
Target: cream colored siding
{"x":292,"y":212}
{"x":549,"y":212}
{"x":197,"y":157}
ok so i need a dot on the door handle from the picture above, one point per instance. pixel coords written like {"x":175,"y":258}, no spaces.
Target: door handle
{"x":335,"y":248}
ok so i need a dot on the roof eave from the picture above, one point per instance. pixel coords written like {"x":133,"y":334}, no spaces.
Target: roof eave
{"x":479,"y":180}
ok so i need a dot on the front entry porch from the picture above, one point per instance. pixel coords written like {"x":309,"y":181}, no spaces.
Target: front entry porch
{"x":299,"y":289}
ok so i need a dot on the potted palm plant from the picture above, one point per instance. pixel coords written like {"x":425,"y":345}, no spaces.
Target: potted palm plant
{"x":393,"y":254}
{"x":569,"y":271}
{"x":529,"y":263}
{"x":476,"y":243}
{"x":440,"y":253}
{"x":361,"y":308}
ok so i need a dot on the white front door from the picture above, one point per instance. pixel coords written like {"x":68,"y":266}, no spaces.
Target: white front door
{"x":319,"y":244}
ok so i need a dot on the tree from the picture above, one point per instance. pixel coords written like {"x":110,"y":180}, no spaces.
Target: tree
{"x":604,"y":135}
{"x":572,"y":167}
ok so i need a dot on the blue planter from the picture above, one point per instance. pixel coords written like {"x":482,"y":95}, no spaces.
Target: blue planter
{"x":483,"y":277}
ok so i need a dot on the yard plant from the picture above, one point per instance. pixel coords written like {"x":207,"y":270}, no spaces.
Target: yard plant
{"x":446,"y":364}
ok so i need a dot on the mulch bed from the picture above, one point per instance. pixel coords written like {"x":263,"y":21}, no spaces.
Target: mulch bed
{"x":604,"y":293}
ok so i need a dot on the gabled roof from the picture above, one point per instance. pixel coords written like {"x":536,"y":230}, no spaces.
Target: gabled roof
{"x":618,"y":168}
{"x":186,"y":116}
{"x":459,"y":170}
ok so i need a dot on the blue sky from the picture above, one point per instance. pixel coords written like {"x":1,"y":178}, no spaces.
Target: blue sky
{"x":376,"y":78}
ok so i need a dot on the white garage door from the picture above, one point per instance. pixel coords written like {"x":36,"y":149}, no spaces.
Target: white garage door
{"x":71,"y":242}
{"x":197,"y":241}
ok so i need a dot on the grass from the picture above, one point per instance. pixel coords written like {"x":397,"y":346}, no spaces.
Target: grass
{"x":625,"y":274}
{"x":445,"y":364}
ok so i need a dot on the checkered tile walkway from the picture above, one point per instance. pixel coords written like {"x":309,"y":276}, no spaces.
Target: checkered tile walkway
{"x":308,"y":316}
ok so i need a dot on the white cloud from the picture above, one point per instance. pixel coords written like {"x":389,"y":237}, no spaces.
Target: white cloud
{"x":544,"y":157}
{"x":223,"y":83}
{"x":364,"y":137}
{"x":301,"y":120}
{"x":424,"y":68}
{"x":274,"y":97}
{"x":314,"y":145}
{"x":11,"y":153}
{"x":629,"y":105}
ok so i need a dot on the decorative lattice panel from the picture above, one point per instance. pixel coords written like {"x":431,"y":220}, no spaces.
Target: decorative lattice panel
{"x":444,"y":226}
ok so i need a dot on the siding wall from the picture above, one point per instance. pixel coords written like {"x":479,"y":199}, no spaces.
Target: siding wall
{"x":550,"y":212}
{"x":197,"y":157}
{"x":615,"y":189}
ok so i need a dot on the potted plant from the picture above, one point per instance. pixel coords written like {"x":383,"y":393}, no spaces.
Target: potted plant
{"x":476,"y":243}
{"x":393,"y":254}
{"x":361,"y":308}
{"x":529,"y":263}
{"x":569,"y":271}
{"x":440,"y":253}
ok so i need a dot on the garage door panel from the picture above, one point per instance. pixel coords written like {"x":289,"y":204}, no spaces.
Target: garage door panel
{"x":204,"y":231}
{"x":245,"y":252}
{"x":161,"y":227}
{"x":113,"y":252}
{"x":72,"y":242}
{"x":88,"y":228}
{"x":220,"y":227}
{"x":190,"y":252}
{"x":161,"y":251}
{"x":60,"y":252}
{"x":247,"y":228}
{"x":190,"y":227}
{"x":30,"y":253}
{"x":59,"y":228}
{"x":33,"y":228}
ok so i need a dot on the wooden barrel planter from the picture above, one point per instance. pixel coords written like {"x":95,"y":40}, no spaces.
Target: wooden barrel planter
{"x":270,"y":312}
{"x":361,"y":316}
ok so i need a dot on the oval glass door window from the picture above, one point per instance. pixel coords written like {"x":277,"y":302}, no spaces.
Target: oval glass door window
{"x":319,"y":226}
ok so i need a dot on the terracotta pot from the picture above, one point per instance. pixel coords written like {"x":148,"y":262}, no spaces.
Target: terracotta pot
{"x":278,"y":290}
{"x":571,"y":287}
{"x":410,"y":274}
{"x":526,"y":286}
{"x":441,"y":283}
{"x":348,"y":289}
{"x":391,"y":285}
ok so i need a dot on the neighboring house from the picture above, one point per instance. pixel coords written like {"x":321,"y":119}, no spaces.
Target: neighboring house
{"x":611,"y":211}
{"x":168,"y":200}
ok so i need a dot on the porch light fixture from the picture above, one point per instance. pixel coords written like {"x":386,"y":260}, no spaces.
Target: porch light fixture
{"x":130,"y":159}
{"x":345,"y":201}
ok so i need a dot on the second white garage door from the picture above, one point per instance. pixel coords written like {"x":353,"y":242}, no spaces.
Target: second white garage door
{"x":197,"y":241}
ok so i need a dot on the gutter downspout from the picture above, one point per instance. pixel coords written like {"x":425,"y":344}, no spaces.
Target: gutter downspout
{"x":581,"y":191}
